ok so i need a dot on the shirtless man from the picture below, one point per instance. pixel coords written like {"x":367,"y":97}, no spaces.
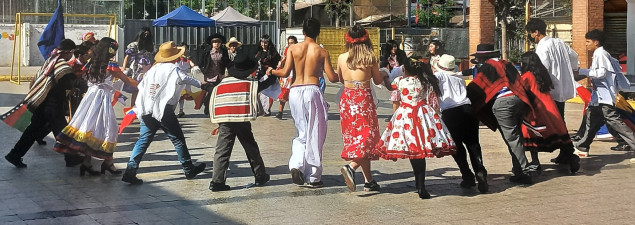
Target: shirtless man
{"x":308,"y":108}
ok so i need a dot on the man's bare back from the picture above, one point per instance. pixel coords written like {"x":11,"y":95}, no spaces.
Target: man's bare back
{"x":308,"y":61}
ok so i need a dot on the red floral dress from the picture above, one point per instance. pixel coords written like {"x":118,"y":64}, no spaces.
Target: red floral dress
{"x":360,"y":128}
{"x":416,"y":130}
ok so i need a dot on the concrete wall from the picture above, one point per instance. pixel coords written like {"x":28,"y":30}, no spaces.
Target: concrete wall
{"x":31,"y":34}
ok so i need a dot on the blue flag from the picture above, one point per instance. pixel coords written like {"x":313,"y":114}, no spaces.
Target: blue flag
{"x":53,"y":34}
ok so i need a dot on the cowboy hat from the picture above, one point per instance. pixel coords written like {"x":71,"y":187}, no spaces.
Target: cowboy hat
{"x":445,"y":63}
{"x":233,"y":40}
{"x":486,"y":51}
{"x":242,"y":67}
{"x":168,"y":52}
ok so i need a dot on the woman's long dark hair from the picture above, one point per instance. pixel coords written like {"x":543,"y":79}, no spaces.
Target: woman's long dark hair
{"x":530,"y":62}
{"x":440,"y":50}
{"x":99,"y":62}
{"x":424,"y":73}
{"x":145,"y":42}
{"x":271,"y":48}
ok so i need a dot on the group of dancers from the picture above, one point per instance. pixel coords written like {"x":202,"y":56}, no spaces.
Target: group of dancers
{"x":435,"y":113}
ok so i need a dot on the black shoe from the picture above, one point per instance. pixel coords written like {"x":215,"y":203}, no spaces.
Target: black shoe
{"x":560,"y":160}
{"x":318,"y":184}
{"x":17,"y":162}
{"x":216,"y":187}
{"x":40,"y":142}
{"x":83,"y":169}
{"x":349,"y":177}
{"x":621,"y":147}
{"x":521,"y":179}
{"x":267,"y":114}
{"x":297,"y":177}
{"x":181,"y":114}
{"x":481,"y":177}
{"x":193,"y":170}
{"x":468,"y":183}
{"x":131,"y":178}
{"x":576,"y":138}
{"x":574,"y":163}
{"x":371,"y":186}
{"x":388,"y":119}
{"x":279,"y":115}
{"x":262,"y":180}
{"x":423,"y":194}
{"x":110,"y":168}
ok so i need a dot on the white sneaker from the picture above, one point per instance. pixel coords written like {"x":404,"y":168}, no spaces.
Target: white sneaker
{"x":581,"y":153}
{"x":633,"y":160}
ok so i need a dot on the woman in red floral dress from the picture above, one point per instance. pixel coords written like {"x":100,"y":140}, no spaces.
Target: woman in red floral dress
{"x":360,"y":129}
{"x":416,"y":131}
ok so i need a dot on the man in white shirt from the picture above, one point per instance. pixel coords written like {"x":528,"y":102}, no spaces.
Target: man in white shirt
{"x":559,"y":59}
{"x":601,"y":109}
{"x":458,"y":116}
{"x":159,"y":92}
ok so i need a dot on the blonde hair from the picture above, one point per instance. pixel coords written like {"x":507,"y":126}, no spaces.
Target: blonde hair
{"x":360,"y":53}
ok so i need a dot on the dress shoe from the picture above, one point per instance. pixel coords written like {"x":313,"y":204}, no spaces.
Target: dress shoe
{"x":317,"y":184}
{"x":621,"y":147}
{"x":181,"y":114}
{"x":521,"y":179}
{"x":468,"y":183}
{"x":216,"y":187}
{"x":349,"y":177}
{"x":73,"y":160}
{"x":261,"y":180}
{"x":279,"y":115}
{"x":17,"y":162}
{"x":110,"y":168}
{"x":423,"y":194}
{"x":481,"y":177}
{"x":297,"y":177}
{"x":83,"y":169}
{"x":192,"y":170}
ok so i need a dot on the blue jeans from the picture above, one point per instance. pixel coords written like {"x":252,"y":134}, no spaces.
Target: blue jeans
{"x":149,"y":126}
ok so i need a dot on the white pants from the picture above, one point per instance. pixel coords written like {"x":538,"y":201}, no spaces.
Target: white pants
{"x":310,"y":113}
{"x":264,"y":100}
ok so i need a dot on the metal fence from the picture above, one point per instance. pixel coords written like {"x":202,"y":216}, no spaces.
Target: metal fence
{"x":416,"y":40}
{"x":11,"y":7}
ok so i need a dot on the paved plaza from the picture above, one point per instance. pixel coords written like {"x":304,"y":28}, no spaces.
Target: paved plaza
{"x":47,"y":192}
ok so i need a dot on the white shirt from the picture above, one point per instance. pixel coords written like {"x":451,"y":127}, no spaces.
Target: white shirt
{"x":453,"y":91}
{"x":560,"y":60}
{"x":161,"y":85}
{"x":602,"y":74}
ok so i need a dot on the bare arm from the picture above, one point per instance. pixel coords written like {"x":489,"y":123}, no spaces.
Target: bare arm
{"x":288,"y":65}
{"x":328,"y":69}
{"x":377,"y":77}
{"x":126,"y":80}
{"x":125,"y":63}
{"x":339,"y":69}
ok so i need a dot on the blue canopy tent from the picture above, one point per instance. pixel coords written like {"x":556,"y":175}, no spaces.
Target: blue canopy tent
{"x":184,"y":17}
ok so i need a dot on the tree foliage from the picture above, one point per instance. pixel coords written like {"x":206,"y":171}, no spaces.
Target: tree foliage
{"x":338,"y":10}
{"x":434,"y":13}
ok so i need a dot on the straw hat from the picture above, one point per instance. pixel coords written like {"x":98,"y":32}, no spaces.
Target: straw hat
{"x":168,"y":52}
{"x":233,"y":40}
{"x":445,"y":62}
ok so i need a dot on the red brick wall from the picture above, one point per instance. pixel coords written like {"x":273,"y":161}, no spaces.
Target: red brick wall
{"x":587,"y":15}
{"x":482,"y":23}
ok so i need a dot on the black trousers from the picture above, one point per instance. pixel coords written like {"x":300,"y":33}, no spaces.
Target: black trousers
{"x":560,"y":106}
{"x":463,"y":127}
{"x":44,"y":119}
{"x":227,"y":133}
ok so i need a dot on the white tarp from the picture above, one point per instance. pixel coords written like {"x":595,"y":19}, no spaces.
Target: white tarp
{"x":229,"y":17}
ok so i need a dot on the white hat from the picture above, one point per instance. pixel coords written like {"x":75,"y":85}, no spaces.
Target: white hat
{"x":445,"y":62}
{"x":233,"y":40}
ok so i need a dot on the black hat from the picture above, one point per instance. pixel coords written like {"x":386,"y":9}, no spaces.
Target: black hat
{"x":486,"y":51}
{"x":243,"y":66}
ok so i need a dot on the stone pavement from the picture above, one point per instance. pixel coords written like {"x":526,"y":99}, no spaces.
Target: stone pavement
{"x":48,"y":193}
